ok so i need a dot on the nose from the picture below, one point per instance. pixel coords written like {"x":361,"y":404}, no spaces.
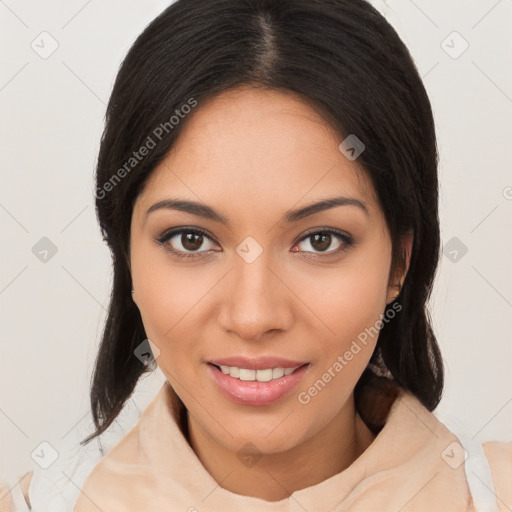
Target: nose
{"x":255,"y":300}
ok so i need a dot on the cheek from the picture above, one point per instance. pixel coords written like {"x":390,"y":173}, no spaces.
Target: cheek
{"x":351,"y":304}
{"x":351,"y":298}
{"x":168,"y":299}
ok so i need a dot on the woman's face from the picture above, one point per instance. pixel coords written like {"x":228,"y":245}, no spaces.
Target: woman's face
{"x":258,"y":279}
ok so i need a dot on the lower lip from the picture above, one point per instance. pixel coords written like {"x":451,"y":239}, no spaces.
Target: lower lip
{"x":255,"y":392}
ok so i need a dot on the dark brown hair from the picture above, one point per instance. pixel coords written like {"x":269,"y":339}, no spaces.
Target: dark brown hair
{"x":340,"y":55}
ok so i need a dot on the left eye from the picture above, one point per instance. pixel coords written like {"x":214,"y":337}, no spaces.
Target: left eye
{"x":320,"y":241}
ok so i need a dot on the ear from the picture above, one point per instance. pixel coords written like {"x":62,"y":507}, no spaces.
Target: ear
{"x":398,"y":275}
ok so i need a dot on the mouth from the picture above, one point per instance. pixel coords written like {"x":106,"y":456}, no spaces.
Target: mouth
{"x":257,"y":375}
{"x":256,"y":387}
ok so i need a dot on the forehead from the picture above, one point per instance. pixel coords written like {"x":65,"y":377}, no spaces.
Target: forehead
{"x":257,"y":148}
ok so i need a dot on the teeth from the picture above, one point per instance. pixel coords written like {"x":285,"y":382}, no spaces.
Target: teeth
{"x":247,"y":374}
{"x":277,"y":373}
{"x":265,"y":375}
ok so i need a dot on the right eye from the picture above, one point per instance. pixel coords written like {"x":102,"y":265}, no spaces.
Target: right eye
{"x":185,"y":242}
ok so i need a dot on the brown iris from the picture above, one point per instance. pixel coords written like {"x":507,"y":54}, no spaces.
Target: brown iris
{"x":321,"y":241}
{"x":192,"y":241}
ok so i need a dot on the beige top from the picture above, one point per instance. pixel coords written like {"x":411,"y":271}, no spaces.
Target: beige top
{"x":414,"y":464}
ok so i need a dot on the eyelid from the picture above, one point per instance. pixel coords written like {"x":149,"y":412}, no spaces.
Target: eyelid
{"x":166,"y":236}
{"x":169,"y":233}
{"x":163,"y":239}
{"x":346,"y":240}
{"x":331,"y":231}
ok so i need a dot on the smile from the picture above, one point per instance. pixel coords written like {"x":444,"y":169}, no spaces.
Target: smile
{"x":256,"y":387}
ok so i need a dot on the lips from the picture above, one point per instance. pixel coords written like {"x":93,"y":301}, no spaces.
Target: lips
{"x":255,"y":393}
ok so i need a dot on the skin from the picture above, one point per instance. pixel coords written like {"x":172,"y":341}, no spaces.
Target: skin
{"x":252,"y":155}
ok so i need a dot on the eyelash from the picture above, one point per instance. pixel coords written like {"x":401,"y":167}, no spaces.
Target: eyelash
{"x":168,"y":235}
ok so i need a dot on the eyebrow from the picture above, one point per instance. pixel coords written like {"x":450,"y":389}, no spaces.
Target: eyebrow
{"x":202,"y":210}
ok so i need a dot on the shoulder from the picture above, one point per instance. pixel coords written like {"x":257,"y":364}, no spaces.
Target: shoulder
{"x":54,"y":488}
{"x":499,"y":457}
{"x":488,"y":467}
{"x":57,"y":487}
{"x":24,"y":485}
{"x":15,"y":498}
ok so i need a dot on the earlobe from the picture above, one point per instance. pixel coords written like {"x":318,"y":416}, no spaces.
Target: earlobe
{"x":407,"y":241}
{"x":393,"y":295}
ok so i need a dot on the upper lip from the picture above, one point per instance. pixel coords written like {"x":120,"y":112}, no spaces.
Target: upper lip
{"x":258,"y":363}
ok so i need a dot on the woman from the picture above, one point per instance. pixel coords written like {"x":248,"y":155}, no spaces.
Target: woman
{"x":267,"y":184}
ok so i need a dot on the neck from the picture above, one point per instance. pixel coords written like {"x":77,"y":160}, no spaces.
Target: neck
{"x":275,"y":476}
